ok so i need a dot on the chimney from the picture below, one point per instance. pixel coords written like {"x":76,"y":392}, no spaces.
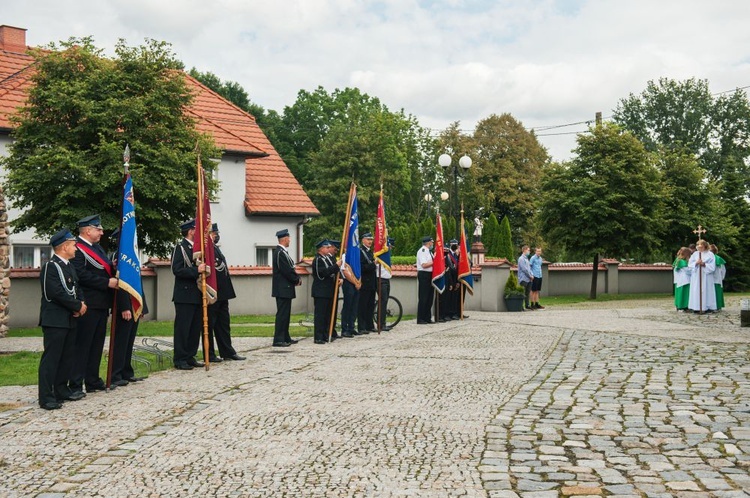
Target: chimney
{"x":12,"y":39}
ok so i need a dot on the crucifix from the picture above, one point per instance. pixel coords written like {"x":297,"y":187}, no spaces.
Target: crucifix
{"x":699,"y":232}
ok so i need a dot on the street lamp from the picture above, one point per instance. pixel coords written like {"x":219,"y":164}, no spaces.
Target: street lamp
{"x":445,"y":161}
{"x":428,"y":199}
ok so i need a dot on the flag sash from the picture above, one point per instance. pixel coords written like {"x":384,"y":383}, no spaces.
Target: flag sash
{"x":438,"y":262}
{"x":128,"y":264}
{"x":464,"y":261}
{"x":381,"y":250}
{"x":203,"y":244}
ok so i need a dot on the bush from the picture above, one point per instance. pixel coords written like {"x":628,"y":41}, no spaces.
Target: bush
{"x":512,"y":287}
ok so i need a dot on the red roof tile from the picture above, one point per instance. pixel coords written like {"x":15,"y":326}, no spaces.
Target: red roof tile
{"x":270,"y":188}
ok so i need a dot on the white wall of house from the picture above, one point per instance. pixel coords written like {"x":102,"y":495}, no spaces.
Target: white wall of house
{"x":26,"y":250}
{"x":245,"y":241}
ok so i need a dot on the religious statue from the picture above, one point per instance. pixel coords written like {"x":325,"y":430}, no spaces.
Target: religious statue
{"x":478,"y":225}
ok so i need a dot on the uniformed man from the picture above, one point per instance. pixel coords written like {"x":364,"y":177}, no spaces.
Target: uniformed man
{"x":451,"y":264}
{"x":218,"y":313}
{"x":126,"y":330}
{"x":96,"y":277}
{"x":333,"y":251}
{"x":324,"y":272}
{"x":447,"y":295}
{"x":285,"y":279}
{"x":188,"y":301}
{"x":366,"y":305}
{"x":62,"y":303}
{"x":384,"y":290}
{"x":424,"y":277}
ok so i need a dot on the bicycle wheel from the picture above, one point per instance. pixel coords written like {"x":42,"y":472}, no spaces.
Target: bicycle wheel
{"x":393,"y":312}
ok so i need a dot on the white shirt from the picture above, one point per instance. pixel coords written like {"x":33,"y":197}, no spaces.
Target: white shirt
{"x":382,"y":271}
{"x":424,"y":256}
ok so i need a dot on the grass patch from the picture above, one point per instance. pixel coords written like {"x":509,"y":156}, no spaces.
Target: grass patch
{"x":269,"y":319}
{"x":600,"y":298}
{"x":19,"y":369}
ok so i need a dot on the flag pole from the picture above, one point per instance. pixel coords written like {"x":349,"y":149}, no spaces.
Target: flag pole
{"x":380,"y":268}
{"x":112,"y":325}
{"x":344,"y":238}
{"x":459,"y":282}
{"x":203,"y":255}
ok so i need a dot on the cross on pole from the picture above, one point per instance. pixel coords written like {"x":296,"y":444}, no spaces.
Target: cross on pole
{"x":699,"y":231}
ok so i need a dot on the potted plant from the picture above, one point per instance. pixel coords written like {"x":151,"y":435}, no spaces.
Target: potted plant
{"x":514,"y":294}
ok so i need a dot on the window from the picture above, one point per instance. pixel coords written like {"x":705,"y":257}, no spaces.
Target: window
{"x":29,"y":256}
{"x":263,"y":256}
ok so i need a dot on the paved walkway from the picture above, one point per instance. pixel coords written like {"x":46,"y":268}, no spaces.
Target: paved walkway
{"x":625,"y":401}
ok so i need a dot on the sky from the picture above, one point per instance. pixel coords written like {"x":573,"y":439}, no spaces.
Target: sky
{"x":546,"y":62}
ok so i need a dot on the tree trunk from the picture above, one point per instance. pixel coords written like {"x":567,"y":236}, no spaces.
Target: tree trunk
{"x":594,"y":276}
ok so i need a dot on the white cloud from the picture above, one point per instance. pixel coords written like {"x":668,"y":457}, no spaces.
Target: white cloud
{"x":547,"y":62}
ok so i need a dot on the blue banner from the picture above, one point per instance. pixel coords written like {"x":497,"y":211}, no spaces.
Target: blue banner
{"x":128,"y":264}
{"x":352,"y":242}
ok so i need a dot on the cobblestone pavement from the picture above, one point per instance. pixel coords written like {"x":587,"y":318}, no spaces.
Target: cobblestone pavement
{"x":637,"y":401}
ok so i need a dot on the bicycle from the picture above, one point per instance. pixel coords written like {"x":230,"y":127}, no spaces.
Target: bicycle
{"x":392,"y":312}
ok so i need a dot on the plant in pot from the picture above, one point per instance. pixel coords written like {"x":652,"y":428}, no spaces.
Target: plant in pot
{"x":514,"y":294}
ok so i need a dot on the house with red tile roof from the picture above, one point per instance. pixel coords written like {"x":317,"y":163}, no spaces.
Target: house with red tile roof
{"x":258,"y":195}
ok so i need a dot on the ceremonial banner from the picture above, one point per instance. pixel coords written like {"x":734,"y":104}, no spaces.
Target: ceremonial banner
{"x":438,"y":261}
{"x":128,"y":264}
{"x":464,"y":260}
{"x":203,"y":244}
{"x":351,"y":244}
{"x":380,"y":247}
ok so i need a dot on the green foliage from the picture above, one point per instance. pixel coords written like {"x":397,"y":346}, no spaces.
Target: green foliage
{"x":491,"y":236}
{"x":404,"y":260}
{"x":512,"y":287}
{"x":69,"y":140}
{"x":606,"y":201}
{"x":505,"y":242}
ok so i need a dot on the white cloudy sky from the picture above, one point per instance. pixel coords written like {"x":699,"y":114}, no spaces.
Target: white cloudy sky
{"x":547,"y":62}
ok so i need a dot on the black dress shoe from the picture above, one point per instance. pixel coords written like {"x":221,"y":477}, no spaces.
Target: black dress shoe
{"x":320,"y":341}
{"x":195,"y":363}
{"x":347,"y":335}
{"x":136,"y":379}
{"x":441,"y":320}
{"x":215,"y":359}
{"x":120,"y":383}
{"x":183,"y":366}
{"x":235,"y":357}
{"x":293,"y":341}
{"x":281,"y":344}
{"x":51,"y":405}
{"x":364,"y":332}
{"x":99,"y":387}
{"x":424,"y":322}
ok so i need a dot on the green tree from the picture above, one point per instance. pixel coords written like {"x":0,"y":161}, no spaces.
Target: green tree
{"x":491,"y":236}
{"x":606,"y":201}
{"x":82,"y":110}
{"x":507,"y":165}
{"x":505,"y":240}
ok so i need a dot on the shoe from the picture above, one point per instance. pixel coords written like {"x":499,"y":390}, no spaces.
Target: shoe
{"x":320,"y":341}
{"x":235,"y":357}
{"x":136,"y":379}
{"x":293,"y":341}
{"x":73,"y":396}
{"x":195,"y":363}
{"x":215,"y":359}
{"x":386,"y":329}
{"x":183,"y":366}
{"x":99,"y":387}
{"x":529,"y":308}
{"x":281,"y":344}
{"x":455,"y":317}
{"x":364,"y":332}
{"x":441,"y":320}
{"x":466,"y":316}
{"x":51,"y":405}
{"x":372,"y":330}
{"x":357,"y":333}
{"x":347,"y":335}
{"x":539,"y":306}
{"x":423,"y":322}
{"x":120,"y":383}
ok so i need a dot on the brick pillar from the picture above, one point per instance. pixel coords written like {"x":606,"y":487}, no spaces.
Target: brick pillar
{"x":4,"y":266}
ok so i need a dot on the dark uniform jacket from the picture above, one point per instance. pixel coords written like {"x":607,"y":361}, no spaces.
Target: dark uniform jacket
{"x":186,"y":275}
{"x":226,"y":289}
{"x":451,"y":269}
{"x":324,"y":276}
{"x":94,"y":270}
{"x":367,"y":263}
{"x":61,"y":294}
{"x":285,"y":278}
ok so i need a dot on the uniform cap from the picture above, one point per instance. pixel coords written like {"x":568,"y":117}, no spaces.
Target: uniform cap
{"x":427,"y":239}
{"x":188,"y":225}
{"x":61,"y":237}
{"x":367,"y":235}
{"x":282,"y":233}
{"x":323,"y":243}
{"x":214,"y":227}
{"x":90,"y":221}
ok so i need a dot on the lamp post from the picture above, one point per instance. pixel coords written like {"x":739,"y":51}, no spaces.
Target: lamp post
{"x":428,"y":199}
{"x":446,"y":161}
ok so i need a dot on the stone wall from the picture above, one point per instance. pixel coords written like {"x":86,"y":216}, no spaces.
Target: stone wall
{"x":4,"y":267}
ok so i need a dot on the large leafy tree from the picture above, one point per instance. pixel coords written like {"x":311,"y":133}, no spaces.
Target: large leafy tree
{"x":606,"y":201}
{"x":674,"y":118}
{"x":66,"y":158}
{"x":507,"y":165}
{"x":331,"y":139}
